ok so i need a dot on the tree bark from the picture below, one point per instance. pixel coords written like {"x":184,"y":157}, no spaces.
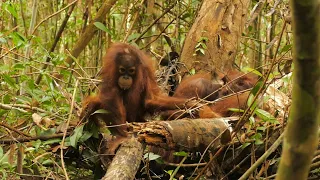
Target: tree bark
{"x":301,"y":137}
{"x":221,"y":23}
{"x":90,"y":30}
{"x":184,"y":134}
{"x":126,"y":162}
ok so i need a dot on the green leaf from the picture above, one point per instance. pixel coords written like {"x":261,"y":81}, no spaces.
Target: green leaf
{"x":4,"y":67}
{"x":47,"y":162}
{"x":169,"y":172}
{"x":264,"y":115}
{"x":258,"y":142}
{"x":6,"y":99}
{"x":18,"y":38}
{"x":251,"y":70}
{"x":31,"y":84}
{"x":252,"y":120}
{"x":192,"y":71}
{"x":235,"y":110}
{"x":90,"y":155}
{"x":203,"y":39}
{"x":30,"y":149}
{"x":181,"y":153}
{"x":245,"y":145}
{"x":67,"y":142}
{"x":1,"y":152}
{"x":133,"y":36}
{"x":204,"y":46}
{"x":36,"y":144}
{"x":198,"y":49}
{"x":202,"y":51}
{"x":9,"y":80}
{"x":261,"y":128}
{"x":198,"y":46}
{"x":185,"y":15}
{"x":286,"y":48}
{"x":256,"y":88}
{"x":250,"y":100}
{"x":100,"y":111}
{"x":4,"y":175}
{"x":76,"y":136}
{"x":51,"y":141}
{"x":271,"y":76}
{"x":160,"y":161}
{"x":85,"y":136}
{"x":2,"y":113}
{"x":151,"y":156}
{"x":256,"y":136}
{"x":102,"y":27}
{"x":48,"y":132}
{"x":4,"y":159}
{"x":21,"y":36}
{"x":11,"y":10}
{"x":92,"y":127}
{"x":19,"y":66}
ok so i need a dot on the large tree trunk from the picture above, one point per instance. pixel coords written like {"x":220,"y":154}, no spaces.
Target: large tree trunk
{"x":301,"y":137}
{"x":219,"y":26}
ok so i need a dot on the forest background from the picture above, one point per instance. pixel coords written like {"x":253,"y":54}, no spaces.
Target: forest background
{"x":51,"y":54}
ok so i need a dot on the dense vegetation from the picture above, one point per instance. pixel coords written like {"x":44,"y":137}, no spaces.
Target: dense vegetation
{"x":51,"y":54}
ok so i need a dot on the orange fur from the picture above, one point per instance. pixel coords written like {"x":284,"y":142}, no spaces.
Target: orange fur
{"x":235,"y":101}
{"x":198,"y":86}
{"x":131,"y":104}
{"x":202,"y":86}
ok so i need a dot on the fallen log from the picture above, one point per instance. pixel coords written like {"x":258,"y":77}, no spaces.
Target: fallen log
{"x":183,"y":134}
{"x":126,"y":162}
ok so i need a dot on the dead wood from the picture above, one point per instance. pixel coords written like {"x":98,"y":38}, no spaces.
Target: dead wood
{"x":184,"y":134}
{"x":126,"y":162}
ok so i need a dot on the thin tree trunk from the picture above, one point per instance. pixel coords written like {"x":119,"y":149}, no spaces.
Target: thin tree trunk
{"x":27,"y":52}
{"x":90,"y":30}
{"x":56,"y":40}
{"x":301,"y":137}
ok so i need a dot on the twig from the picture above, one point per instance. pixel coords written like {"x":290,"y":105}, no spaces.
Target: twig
{"x":163,"y":30}
{"x":135,"y":17}
{"x":50,"y":16}
{"x":262,"y":158}
{"x":177,"y":169}
{"x":174,"y":14}
{"x":24,"y":106}
{"x":155,"y":21}
{"x":236,"y":167}
{"x":246,"y":112}
{"x":13,"y":129}
{"x":57,"y":38}
{"x":208,"y":164}
{"x":10,"y":50}
{"x":205,"y":151}
{"x":28,"y":139}
{"x":65,"y":131}
{"x":185,"y":165}
{"x":9,"y":107}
